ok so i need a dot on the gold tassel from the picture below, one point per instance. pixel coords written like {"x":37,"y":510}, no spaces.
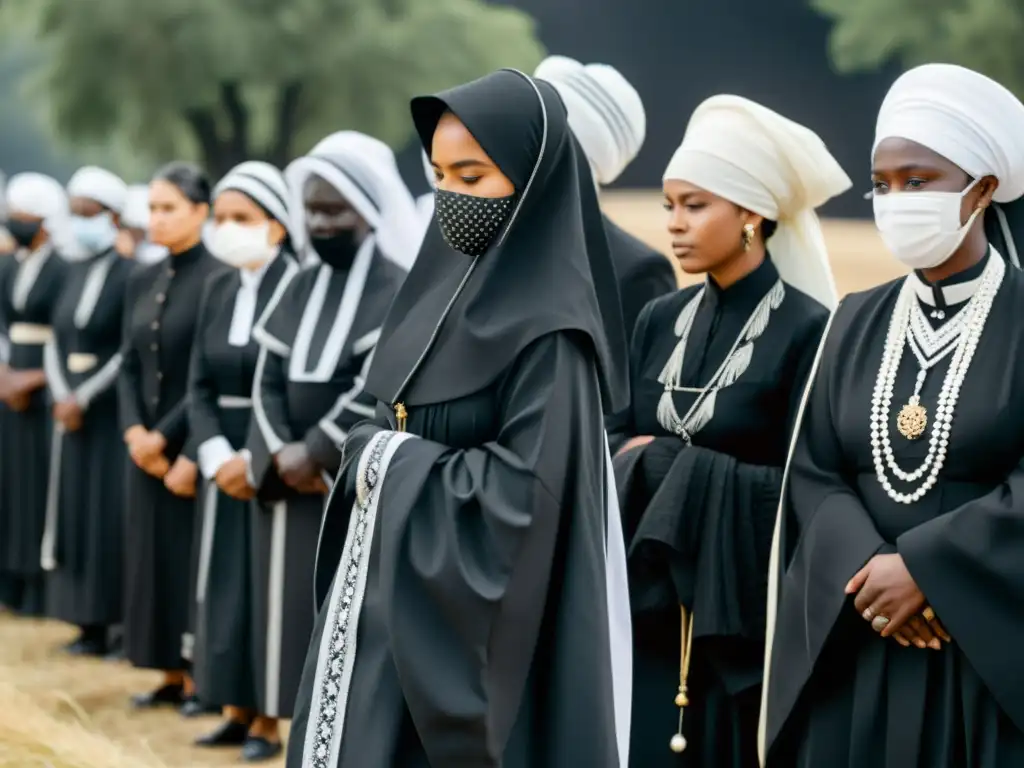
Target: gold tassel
{"x":400,"y":416}
{"x":678,"y":742}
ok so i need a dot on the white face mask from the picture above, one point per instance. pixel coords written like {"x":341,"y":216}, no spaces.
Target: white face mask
{"x":922,"y":229}
{"x":95,"y":234}
{"x":241,"y":246}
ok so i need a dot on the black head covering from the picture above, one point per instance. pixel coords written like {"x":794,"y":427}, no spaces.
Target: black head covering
{"x":458,"y":323}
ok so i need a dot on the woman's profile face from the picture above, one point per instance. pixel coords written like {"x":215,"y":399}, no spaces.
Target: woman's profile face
{"x":232,"y":206}
{"x":461,"y":165}
{"x":174,"y":221}
{"x":707,"y":230}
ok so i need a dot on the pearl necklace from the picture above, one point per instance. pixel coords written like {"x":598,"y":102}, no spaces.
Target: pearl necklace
{"x":975,"y":314}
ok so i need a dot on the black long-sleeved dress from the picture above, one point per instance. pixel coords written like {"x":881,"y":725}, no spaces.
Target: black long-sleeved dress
{"x":315,"y":350}
{"x":28,"y":300}
{"x":698,"y":515}
{"x":161,"y":308}
{"x":838,"y":693}
{"x":470,"y":619}
{"x":82,"y":542}
{"x":224,"y":357}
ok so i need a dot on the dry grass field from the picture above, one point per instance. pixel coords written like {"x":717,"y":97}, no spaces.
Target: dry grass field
{"x":57,"y":712}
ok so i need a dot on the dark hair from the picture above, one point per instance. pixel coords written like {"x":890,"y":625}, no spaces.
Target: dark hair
{"x":189,"y":178}
{"x":768,"y":228}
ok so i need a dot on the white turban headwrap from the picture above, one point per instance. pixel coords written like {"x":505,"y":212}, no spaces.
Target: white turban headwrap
{"x":769,"y":165}
{"x":264,"y":184}
{"x":44,"y":198}
{"x":100,"y":185}
{"x":363,"y":169}
{"x":605,"y":112}
{"x":966,"y":117}
{"x":136,"y":207}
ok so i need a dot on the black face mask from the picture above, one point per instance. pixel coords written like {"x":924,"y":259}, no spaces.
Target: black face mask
{"x":337,"y":250}
{"x":23,"y":232}
{"x":469,"y":223}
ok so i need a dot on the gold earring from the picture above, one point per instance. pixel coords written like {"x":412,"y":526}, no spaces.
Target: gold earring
{"x":748,"y":236}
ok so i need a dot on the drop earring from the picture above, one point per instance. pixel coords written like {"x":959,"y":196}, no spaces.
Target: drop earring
{"x":748,"y":236}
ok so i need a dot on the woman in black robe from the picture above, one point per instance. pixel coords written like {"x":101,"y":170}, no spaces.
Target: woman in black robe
{"x":159,"y":324}
{"x":897,"y":571}
{"x":38,"y":221}
{"x":85,"y":506}
{"x":250,"y":212}
{"x":487,"y":601}
{"x":717,"y":370}
{"x":316,"y":345}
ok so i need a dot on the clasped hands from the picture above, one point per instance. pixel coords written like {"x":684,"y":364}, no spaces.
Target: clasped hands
{"x":146,"y":448}
{"x":299,"y":470}
{"x":889,"y":598}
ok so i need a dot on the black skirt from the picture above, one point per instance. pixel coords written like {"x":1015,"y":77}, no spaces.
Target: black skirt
{"x":85,"y":521}
{"x":222,"y":654}
{"x":158,"y":541}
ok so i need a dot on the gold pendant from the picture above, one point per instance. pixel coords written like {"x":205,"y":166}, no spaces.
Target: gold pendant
{"x":912,"y":419}
{"x":400,"y":416}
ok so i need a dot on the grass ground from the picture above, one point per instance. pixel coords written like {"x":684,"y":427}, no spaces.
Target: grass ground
{"x":57,"y":712}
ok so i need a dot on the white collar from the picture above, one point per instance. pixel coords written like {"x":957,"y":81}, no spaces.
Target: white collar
{"x":951,"y":294}
{"x":251,"y":278}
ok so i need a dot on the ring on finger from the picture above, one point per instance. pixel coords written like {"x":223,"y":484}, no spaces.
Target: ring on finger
{"x":928,"y":613}
{"x":879,"y":623}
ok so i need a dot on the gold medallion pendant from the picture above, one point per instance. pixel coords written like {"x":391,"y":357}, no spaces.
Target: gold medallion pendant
{"x":912,"y":419}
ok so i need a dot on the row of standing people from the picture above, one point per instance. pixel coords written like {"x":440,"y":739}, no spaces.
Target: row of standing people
{"x":225,"y":370}
{"x":491,"y":602}
{"x":818,"y":559}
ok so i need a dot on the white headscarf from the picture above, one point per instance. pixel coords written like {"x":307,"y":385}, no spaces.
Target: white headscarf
{"x":135,"y":213}
{"x":968,"y":118}
{"x":100,"y":185}
{"x":43,"y":197}
{"x":364,"y":171}
{"x":769,"y":165}
{"x":266,"y":185}
{"x":605,"y":112}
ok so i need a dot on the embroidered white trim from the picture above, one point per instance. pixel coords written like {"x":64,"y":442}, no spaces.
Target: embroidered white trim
{"x":732,"y":368}
{"x":337,"y":655}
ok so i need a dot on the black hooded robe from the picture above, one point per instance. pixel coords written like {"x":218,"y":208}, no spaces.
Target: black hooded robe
{"x":492,"y":618}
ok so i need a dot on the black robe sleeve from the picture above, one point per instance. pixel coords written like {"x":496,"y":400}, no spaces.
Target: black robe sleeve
{"x":326,"y":438}
{"x":467,"y":546}
{"x":203,"y":412}
{"x":968,"y":564}
{"x":129,"y":382}
{"x":269,"y":430}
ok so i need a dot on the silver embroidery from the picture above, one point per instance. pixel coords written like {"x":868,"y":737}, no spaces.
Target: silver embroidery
{"x":338,"y":643}
{"x":731,"y":369}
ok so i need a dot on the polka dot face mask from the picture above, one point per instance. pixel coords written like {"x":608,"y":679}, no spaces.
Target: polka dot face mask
{"x":469,"y":223}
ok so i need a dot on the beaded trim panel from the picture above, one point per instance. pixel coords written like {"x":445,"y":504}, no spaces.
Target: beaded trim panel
{"x":337,"y":654}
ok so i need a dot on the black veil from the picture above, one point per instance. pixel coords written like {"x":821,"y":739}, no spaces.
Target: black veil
{"x":458,"y":323}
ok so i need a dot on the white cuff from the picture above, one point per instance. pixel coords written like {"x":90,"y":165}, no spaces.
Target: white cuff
{"x":214,"y":454}
{"x":250,"y":478}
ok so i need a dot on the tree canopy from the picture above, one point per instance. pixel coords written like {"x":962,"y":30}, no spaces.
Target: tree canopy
{"x":228,"y":80}
{"x":984,"y":35}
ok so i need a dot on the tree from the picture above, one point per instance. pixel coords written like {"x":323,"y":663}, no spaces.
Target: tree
{"x":229,"y":80}
{"x":984,"y":35}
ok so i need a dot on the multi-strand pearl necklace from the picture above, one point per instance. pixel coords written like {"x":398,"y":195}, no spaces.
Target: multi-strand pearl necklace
{"x":975,"y":314}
